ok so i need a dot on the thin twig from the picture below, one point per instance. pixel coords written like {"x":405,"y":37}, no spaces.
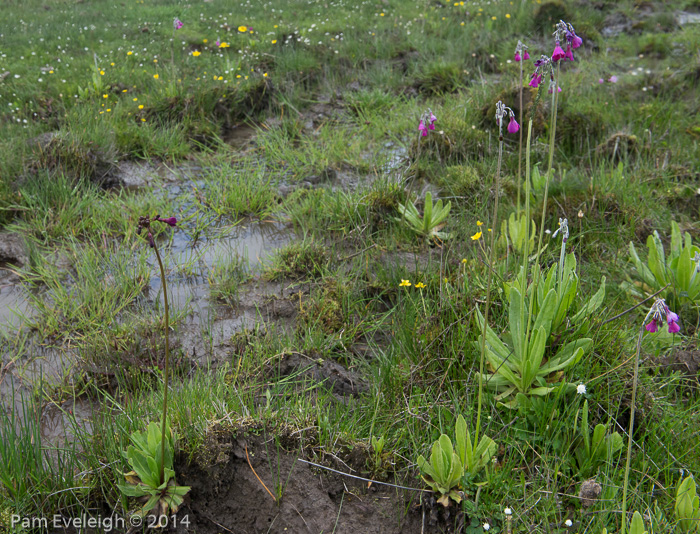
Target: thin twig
{"x":361,"y":478}
{"x":635,"y":306}
{"x":256,"y":475}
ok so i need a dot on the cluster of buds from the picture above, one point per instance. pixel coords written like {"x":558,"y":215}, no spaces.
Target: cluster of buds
{"x":542,"y":67}
{"x":427,"y":122}
{"x":177,"y":23}
{"x":565,"y":32}
{"x":501,"y":110}
{"x":521,"y":52}
{"x":658,"y":313}
{"x":145,"y":224}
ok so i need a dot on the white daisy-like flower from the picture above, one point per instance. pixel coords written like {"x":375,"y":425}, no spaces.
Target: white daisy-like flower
{"x":487,"y":526}
{"x":568,"y":523}
{"x":507,"y":511}
{"x":581,"y":389}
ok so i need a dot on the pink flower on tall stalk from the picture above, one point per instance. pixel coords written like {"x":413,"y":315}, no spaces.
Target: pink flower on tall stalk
{"x":501,"y":111}
{"x":659,"y":310}
{"x":521,"y":52}
{"x":558,"y":52}
{"x":177,"y":23}
{"x":422,"y":129}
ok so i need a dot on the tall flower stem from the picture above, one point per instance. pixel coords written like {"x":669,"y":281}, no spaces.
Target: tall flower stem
{"x":548,"y":177}
{"x":167,"y":363}
{"x":631,"y":429}
{"x":494,"y":225}
{"x":523,"y":289}
{"x":520,"y":143}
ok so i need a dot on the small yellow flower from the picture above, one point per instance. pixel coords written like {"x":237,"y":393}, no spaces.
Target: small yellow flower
{"x":243,"y":29}
{"x":155,"y":61}
{"x":156,"y":76}
{"x":205,"y":41}
{"x":479,"y":223}
{"x":196,"y":53}
{"x":404,"y":283}
{"x":476,"y":236}
{"x":143,"y":120}
{"x":135,"y":99}
{"x":50,"y":72}
{"x":221,"y":78}
{"x":140,"y":106}
{"x":274,"y":41}
{"x":507,"y":15}
{"x":129,"y":53}
{"x":494,"y":17}
{"x":464,"y":260}
{"x":105,"y":96}
{"x":264,"y":74}
{"x":420,"y":285}
{"x":124,"y":90}
{"x":108,"y":110}
{"x":102,"y":73}
{"x":224,"y":45}
{"x":381,"y":14}
{"x":112,"y":64}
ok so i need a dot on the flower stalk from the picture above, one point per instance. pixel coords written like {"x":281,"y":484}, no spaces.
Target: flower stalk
{"x":145,"y":223}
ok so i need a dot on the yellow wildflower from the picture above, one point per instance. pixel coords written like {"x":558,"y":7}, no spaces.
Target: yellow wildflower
{"x":156,"y":76}
{"x":479,"y":223}
{"x":140,"y":106}
{"x":404,"y":283}
{"x":420,"y":285}
{"x":129,"y":53}
{"x":243,"y":29}
{"x":196,"y":53}
{"x":476,"y":236}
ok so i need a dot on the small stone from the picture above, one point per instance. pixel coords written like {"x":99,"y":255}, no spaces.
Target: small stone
{"x":589,"y":492}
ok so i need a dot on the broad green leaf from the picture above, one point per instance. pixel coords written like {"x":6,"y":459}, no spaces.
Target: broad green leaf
{"x":637,"y":524}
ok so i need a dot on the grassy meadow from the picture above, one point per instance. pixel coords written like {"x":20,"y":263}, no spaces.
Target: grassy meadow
{"x":343,"y":289}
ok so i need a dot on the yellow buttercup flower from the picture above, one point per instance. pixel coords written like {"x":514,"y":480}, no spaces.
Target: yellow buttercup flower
{"x":420,"y":285}
{"x":404,"y":283}
{"x":129,"y":53}
{"x":479,"y":223}
{"x":156,"y":76}
{"x":196,"y":53}
{"x":243,"y":29}
{"x":476,"y":236}
{"x":140,"y":106}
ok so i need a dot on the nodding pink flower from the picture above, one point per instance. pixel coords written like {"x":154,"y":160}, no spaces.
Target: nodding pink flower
{"x":517,"y":57}
{"x":550,"y":90}
{"x":657,"y":312}
{"x":431,"y":121}
{"x":526,"y":56}
{"x":513,"y":126}
{"x":535,"y":81}
{"x":171,"y":221}
{"x":569,"y":54}
{"x":422,"y":129}
{"x":177,"y":23}
{"x":558,"y":52}
{"x":601,"y":80}
{"x":612,"y":79}
{"x":576,"y":41}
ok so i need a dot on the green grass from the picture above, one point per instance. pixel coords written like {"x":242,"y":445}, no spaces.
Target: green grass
{"x":333,"y":92}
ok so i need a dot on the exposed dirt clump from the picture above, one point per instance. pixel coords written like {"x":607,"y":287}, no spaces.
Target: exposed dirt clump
{"x":686,"y":363}
{"x":343,"y":382}
{"x":227,"y":496}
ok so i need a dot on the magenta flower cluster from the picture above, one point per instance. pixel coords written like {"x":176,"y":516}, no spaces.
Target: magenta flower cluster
{"x":177,"y":23}
{"x":542,"y":66}
{"x":501,"y":111}
{"x":145,"y":224}
{"x":565,"y":32}
{"x":427,"y":122}
{"x":521,"y":52}
{"x":659,"y":313}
